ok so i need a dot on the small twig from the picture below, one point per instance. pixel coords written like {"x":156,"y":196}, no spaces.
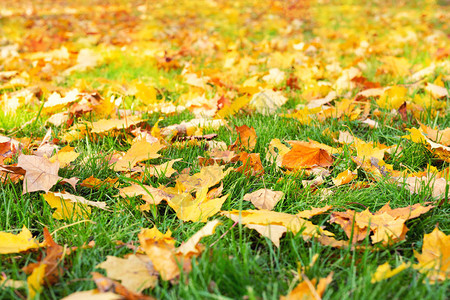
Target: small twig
{"x":69,"y":225}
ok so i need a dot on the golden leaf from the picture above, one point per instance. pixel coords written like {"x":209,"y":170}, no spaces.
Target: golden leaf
{"x":139,"y":151}
{"x":13,"y":243}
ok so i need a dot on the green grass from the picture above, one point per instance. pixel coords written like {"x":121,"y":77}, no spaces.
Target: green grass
{"x":237,"y":262}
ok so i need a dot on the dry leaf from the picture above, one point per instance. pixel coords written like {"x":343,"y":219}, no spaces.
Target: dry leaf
{"x":264,"y":198}
{"x":384,"y":271}
{"x":135,"y":272}
{"x":13,"y":243}
{"x":246,"y":138}
{"x":35,"y":281}
{"x":93,"y":295}
{"x":41,"y":174}
{"x":308,"y":290}
{"x":344,"y":177}
{"x":139,"y":151}
{"x":435,"y":258}
{"x":190,"y":247}
{"x":70,"y":206}
{"x":301,"y":156}
{"x":105,"y":285}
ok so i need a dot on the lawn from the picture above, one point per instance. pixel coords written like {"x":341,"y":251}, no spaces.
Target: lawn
{"x":224,"y":149}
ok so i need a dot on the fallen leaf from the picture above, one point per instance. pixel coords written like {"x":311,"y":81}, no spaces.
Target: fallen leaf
{"x":384,"y":271}
{"x":139,"y":151}
{"x":197,"y":209}
{"x":191,"y":246}
{"x":435,"y":258}
{"x":301,"y":156}
{"x":35,"y":281}
{"x":93,"y":295}
{"x":207,"y":177}
{"x":41,"y":174}
{"x":267,"y":101}
{"x":104,"y":125}
{"x":276,"y":151}
{"x":264,"y":198}
{"x":151,"y":195}
{"x":14,"y":243}
{"x":344,"y":177}
{"x":71,"y":206}
{"x":251,"y":164}
{"x":65,"y":156}
{"x":272,"y":232}
{"x":134,"y":272}
{"x":246,"y":138}
{"x":308,"y":289}
{"x":92,"y":182}
{"x":105,"y":285}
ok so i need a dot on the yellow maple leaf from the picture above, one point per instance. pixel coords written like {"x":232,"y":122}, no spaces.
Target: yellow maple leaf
{"x":13,"y":243}
{"x":344,"y":177}
{"x":385,"y":271}
{"x":65,"y":156}
{"x":139,"y":151}
{"x":197,"y":209}
{"x":105,"y":125}
{"x":435,"y":258}
{"x":70,"y":206}
{"x":35,"y":281}
{"x":393,"y":97}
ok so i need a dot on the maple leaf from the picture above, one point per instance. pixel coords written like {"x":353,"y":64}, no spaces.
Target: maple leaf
{"x":270,"y":223}
{"x":11,"y":243}
{"x":65,"y":156}
{"x":385,"y":271}
{"x":246,"y":138}
{"x":308,"y":289}
{"x":436,"y":91}
{"x":105,"y":285}
{"x":135,"y":272}
{"x":36,"y":280}
{"x":251,"y":164}
{"x":435,"y":258}
{"x":207,"y":177}
{"x":267,"y":101}
{"x":264,"y":198}
{"x":276,"y":151}
{"x":165,"y":257}
{"x":307,"y":214}
{"x":51,"y":261}
{"x":151,"y":195}
{"x":197,"y":209}
{"x":191,"y":246}
{"x":92,"y":182}
{"x":301,"y":156}
{"x":104,"y":125}
{"x":93,"y":295}
{"x":387,"y":225}
{"x":41,"y":174}
{"x":70,"y":206}
{"x":160,"y":171}
{"x":344,"y":177}
{"x":139,"y":151}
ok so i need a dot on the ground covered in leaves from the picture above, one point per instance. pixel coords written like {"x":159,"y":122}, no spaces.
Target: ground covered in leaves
{"x":224,"y":150}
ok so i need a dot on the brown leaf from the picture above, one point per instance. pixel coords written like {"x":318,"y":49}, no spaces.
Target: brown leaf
{"x":135,"y":272}
{"x":41,"y":174}
{"x":105,"y":285}
{"x":264,"y":198}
